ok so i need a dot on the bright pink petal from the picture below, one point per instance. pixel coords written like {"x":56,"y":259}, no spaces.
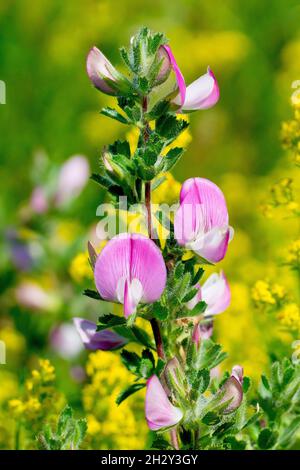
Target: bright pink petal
{"x":98,"y":68}
{"x":104,"y":340}
{"x":216,"y":293}
{"x":133,"y":258}
{"x":159,"y":411}
{"x":201,"y":222}
{"x":179,"y":77}
{"x":203,"y":93}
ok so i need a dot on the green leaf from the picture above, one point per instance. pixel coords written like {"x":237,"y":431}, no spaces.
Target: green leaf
{"x":267,"y":439}
{"x":286,"y":439}
{"x":172,"y":157}
{"x":234,"y":443}
{"x":160,"y":443}
{"x":131,"y":361}
{"x":159,"y":311}
{"x":197,"y":276}
{"x":246,"y":384}
{"x":199,"y":308}
{"x":109,"y":321}
{"x":108,"y":183}
{"x":129,"y":391}
{"x":120,"y":147}
{"x":146,"y":368}
{"x":92,"y":294}
{"x":63,"y":420}
{"x":114,"y":114}
{"x":142,"y":336}
{"x":210,"y":355}
{"x":190,"y":295}
{"x":265,"y":382}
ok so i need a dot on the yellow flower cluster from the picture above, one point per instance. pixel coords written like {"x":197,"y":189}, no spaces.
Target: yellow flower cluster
{"x":266,"y":294}
{"x":80,"y":268}
{"x":111,"y":426}
{"x":290,"y":132}
{"x":40,"y":399}
{"x":293,"y":256}
{"x":289,"y":317}
{"x":168,"y":191}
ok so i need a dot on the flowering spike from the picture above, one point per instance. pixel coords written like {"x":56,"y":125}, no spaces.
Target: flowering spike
{"x":159,"y":411}
{"x":130,"y":269}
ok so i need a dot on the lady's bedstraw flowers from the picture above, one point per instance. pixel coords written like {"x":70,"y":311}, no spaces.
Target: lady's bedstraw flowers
{"x":201,"y":222}
{"x":203,"y":93}
{"x":159,"y":411}
{"x":130,"y":269}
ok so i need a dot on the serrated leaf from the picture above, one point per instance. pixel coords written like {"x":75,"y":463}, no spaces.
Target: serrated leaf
{"x":172,"y":157}
{"x":109,"y":321}
{"x":131,"y":361}
{"x":93,"y":294}
{"x":190,"y":295}
{"x":114,"y":114}
{"x":199,"y":308}
{"x":197,"y":276}
{"x":129,"y":391}
{"x":145,"y":368}
{"x":159,"y":311}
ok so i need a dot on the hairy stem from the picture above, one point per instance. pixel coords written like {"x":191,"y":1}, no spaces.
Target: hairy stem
{"x":154,"y":323}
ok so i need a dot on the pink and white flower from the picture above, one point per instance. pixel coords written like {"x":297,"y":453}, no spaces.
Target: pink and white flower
{"x":233,"y":389}
{"x":103,"y":74}
{"x":159,"y":411}
{"x":203,"y":93}
{"x":92,"y":339}
{"x":201,"y":222}
{"x":130,"y":269}
{"x":216,"y":294}
{"x":72,"y":178}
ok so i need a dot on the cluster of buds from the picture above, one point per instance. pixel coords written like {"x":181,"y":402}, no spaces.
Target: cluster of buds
{"x":156,"y":282}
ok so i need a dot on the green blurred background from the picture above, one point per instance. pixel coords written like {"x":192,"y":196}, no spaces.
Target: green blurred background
{"x":52,"y":111}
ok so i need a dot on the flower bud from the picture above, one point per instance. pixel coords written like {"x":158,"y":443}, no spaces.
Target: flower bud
{"x":103,"y":75}
{"x":232,"y":390}
{"x":165,"y":68}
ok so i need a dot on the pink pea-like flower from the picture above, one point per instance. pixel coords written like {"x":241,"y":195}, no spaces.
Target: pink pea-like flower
{"x":100,"y":71}
{"x":201,"y":222}
{"x":216,"y":294}
{"x":130,"y":269}
{"x":92,"y":339}
{"x":203,"y":93}
{"x":233,"y":389}
{"x":159,"y":411}
{"x":72,"y":178}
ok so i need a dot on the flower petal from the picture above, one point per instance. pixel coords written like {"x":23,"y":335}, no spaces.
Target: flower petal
{"x":72,"y":178}
{"x":233,"y":389}
{"x":179,"y":77}
{"x":159,"y":411}
{"x":203,"y":93}
{"x":98,"y":67}
{"x":104,"y":340}
{"x":216,"y":293}
{"x":130,"y":257}
{"x":212,"y":246}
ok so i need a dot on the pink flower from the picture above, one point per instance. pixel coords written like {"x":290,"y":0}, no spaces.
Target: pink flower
{"x":103,"y":74}
{"x":104,"y":340}
{"x":159,"y":411}
{"x":38,"y":200}
{"x":130,"y":269}
{"x":65,"y":341}
{"x":215,"y":292}
{"x":203,"y":93}
{"x":201,"y":222}
{"x":72,"y":178}
{"x":233,"y":389}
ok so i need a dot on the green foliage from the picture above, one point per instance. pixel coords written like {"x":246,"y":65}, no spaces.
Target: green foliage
{"x":68,"y":435}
